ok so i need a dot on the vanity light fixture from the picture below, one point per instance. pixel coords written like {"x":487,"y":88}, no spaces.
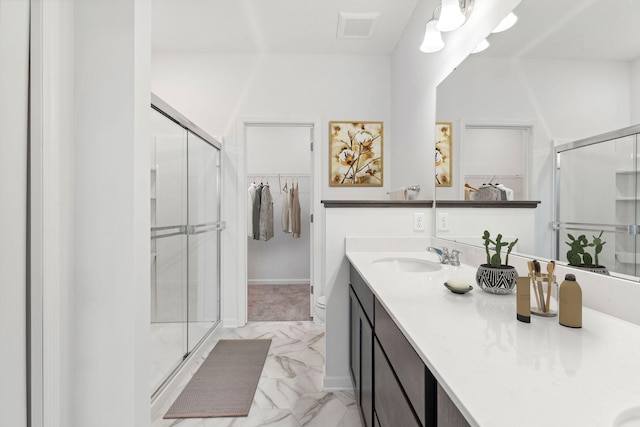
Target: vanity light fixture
{"x":506,"y":23}
{"x":452,"y":15}
{"x":484,"y":43}
{"x":432,"y":38}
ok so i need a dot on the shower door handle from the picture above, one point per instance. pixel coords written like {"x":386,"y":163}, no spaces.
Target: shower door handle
{"x":171,"y":230}
{"x":205,"y":227}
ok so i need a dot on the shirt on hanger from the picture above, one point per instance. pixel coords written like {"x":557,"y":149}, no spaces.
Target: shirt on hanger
{"x":266,"y":214}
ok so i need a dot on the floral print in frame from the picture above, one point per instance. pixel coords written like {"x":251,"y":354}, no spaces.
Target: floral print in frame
{"x":356,"y":154}
{"x":443,"y":154}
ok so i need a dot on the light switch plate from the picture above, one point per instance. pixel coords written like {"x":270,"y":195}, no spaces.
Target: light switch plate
{"x":418,"y":221}
{"x":443,"y":221}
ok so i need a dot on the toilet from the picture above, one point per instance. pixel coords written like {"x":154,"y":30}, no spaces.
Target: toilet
{"x":320,"y":309}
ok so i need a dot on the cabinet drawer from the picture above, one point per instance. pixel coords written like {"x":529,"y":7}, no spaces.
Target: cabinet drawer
{"x":362,"y":291}
{"x":391,"y":407}
{"x":406,"y":363}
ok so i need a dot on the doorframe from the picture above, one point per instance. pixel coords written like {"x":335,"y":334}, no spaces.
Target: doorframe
{"x":529,"y":127}
{"x":316,"y":228}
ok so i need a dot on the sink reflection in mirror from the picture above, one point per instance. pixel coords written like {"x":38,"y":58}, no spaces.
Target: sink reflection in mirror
{"x":407,"y":265}
{"x":628,"y":418}
{"x":541,"y":88}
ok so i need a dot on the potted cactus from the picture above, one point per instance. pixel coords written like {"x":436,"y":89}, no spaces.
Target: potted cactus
{"x":578,"y":256}
{"x":494,"y":276}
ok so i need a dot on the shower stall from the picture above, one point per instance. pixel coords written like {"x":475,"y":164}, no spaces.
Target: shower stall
{"x":185,"y":239}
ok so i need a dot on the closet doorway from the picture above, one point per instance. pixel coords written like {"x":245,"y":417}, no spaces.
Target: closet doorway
{"x":496,"y":153}
{"x":279,"y":267}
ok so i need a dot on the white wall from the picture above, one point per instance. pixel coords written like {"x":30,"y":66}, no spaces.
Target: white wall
{"x":91,"y":133}
{"x":14,"y":63}
{"x":218,"y":92}
{"x":355,"y":222}
{"x":111,"y":204}
{"x":214,"y":91}
{"x":563,"y":100}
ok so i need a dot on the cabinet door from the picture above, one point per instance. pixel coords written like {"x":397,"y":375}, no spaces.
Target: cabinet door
{"x":392,"y":407}
{"x":407,"y":365}
{"x":366,"y":369}
{"x":354,"y":343}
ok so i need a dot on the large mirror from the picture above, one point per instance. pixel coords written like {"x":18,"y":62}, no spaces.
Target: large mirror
{"x":566,"y":71}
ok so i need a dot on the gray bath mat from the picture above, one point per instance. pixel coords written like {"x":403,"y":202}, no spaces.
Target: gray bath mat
{"x":226,"y":382}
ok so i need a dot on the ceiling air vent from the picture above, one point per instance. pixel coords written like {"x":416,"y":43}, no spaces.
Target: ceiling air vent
{"x":353,"y":25}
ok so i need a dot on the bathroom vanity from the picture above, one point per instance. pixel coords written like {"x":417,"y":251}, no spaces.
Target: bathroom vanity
{"x":421,"y":355}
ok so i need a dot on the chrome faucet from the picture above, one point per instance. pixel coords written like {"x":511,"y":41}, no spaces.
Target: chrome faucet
{"x":446,"y":257}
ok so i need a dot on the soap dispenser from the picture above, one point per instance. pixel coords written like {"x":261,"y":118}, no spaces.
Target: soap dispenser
{"x":570,"y":302}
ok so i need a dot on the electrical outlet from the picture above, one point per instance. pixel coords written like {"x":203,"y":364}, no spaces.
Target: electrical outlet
{"x":418,"y":221}
{"x":443,"y":221}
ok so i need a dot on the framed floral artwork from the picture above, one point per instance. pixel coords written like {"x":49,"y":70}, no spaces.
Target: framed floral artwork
{"x":443,"y":154}
{"x":355,"y":154}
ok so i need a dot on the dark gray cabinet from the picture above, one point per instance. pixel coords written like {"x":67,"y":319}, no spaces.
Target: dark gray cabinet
{"x":393,"y":387}
{"x":361,"y":349}
{"x":392,"y":407}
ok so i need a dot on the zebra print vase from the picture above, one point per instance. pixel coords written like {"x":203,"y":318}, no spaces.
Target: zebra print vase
{"x":496,"y":280}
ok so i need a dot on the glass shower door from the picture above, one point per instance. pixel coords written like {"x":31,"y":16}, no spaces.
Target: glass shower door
{"x":185,"y":240}
{"x":203,"y":230}
{"x":169,"y":256}
{"x":626,"y":194}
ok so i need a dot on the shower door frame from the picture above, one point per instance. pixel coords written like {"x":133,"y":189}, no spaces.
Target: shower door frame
{"x":189,"y":229}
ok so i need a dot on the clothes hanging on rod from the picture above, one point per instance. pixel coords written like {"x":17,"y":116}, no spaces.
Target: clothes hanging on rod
{"x":261,"y":212}
{"x":256,"y":212}
{"x":285,"y":209}
{"x":251,"y":193}
{"x":266,"y":214}
{"x":295,"y":212}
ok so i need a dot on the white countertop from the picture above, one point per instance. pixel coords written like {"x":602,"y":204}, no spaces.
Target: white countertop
{"x":502,"y":372}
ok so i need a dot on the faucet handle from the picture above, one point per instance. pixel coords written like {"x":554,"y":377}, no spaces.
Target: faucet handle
{"x":455,"y":257}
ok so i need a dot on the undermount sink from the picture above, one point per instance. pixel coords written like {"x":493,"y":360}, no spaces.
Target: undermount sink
{"x":407,"y":265}
{"x":628,"y":418}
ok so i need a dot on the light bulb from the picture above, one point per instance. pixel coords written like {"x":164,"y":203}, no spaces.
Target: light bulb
{"x":432,"y":38}
{"x":451,"y":17}
{"x":481,"y":46}
{"x":506,"y":23}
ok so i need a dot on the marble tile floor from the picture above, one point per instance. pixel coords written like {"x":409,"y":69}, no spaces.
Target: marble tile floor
{"x":167,"y":346}
{"x":289,"y":392}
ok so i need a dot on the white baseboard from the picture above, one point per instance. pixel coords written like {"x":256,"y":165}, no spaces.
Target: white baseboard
{"x":231,"y":323}
{"x":279,"y":281}
{"x":337,"y":383}
{"x":161,"y":402}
